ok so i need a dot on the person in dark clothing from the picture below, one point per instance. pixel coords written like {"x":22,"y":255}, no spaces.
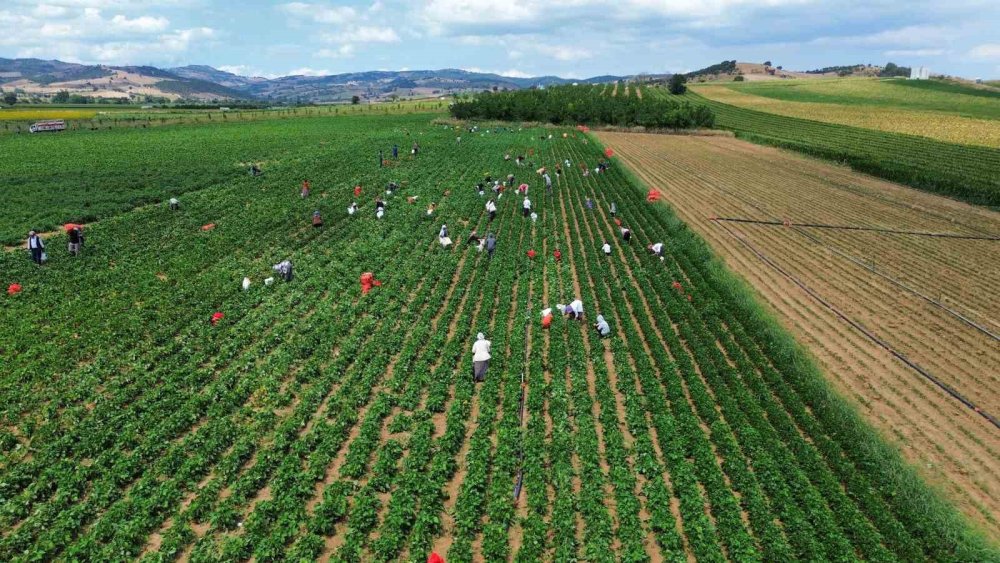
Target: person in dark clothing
{"x":284,"y":269}
{"x":317,"y":219}
{"x":381,"y":160}
{"x":75,"y":239}
{"x":473,"y":238}
{"x":36,"y":246}
{"x":255,"y":170}
{"x":379,"y":204}
{"x":626,"y":234}
{"x":416,"y":149}
{"x":391,"y":187}
{"x":395,"y":152}
{"x":491,"y":244}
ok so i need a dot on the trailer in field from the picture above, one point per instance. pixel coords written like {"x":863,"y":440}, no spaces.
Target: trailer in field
{"x":42,"y":126}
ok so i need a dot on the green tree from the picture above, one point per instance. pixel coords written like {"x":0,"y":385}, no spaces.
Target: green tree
{"x":355,"y":99}
{"x":61,"y":97}
{"x":738,"y":78}
{"x":10,"y":98}
{"x":676,"y":84}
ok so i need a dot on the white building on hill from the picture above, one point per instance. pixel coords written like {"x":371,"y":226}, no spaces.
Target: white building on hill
{"x":920,"y":73}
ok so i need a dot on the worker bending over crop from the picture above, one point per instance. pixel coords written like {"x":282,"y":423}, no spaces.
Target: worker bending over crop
{"x":602,"y":327}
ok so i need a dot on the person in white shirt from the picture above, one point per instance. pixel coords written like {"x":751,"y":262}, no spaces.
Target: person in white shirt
{"x":548,"y":183}
{"x":602,"y":327}
{"x":527,"y":207}
{"x":36,"y":246}
{"x":656,"y":249}
{"x":443,"y":237}
{"x":480,"y":358}
{"x":574,"y":310}
{"x":606,"y":248}
{"x":353,"y":208}
{"x":491,"y":208}
{"x":174,"y":204}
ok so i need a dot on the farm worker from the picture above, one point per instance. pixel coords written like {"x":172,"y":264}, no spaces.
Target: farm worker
{"x":546,"y":317}
{"x":626,"y":234}
{"x":353,"y":208}
{"x":443,"y":236}
{"x":36,"y":247}
{"x":523,"y":189}
{"x":13,"y":289}
{"x":430,"y":209}
{"x":368,"y":281}
{"x":284,"y":269}
{"x":557,"y":255}
{"x":558,"y":171}
{"x":575,"y":310}
{"x":416,"y":149}
{"x":531,"y":254}
{"x":216,"y":317}
{"x":548,"y":183}
{"x":567,"y":163}
{"x":255,"y":170}
{"x":480,"y":358}
{"x":491,"y":244}
{"x":75,"y":239}
{"x":174,"y":204}
{"x":458,"y":140}
{"x":395,"y":152}
{"x":590,"y":204}
{"x":379,"y":204}
{"x":614,"y":209}
{"x":246,"y":283}
{"x":656,"y":249}
{"x":480,"y":189}
{"x":652,"y":195}
{"x":381,"y":160}
{"x":602,"y":326}
{"x":317,"y":219}
{"x":606,"y":248}
{"x":473,"y":238}
{"x":391,"y":187}
{"x":357,"y":191}
{"x":526,"y":206}
{"x":305,"y":188}
{"x":434,"y":558}
{"x":506,"y":157}
{"x":491,"y":208}
{"x":510,"y":181}
{"x":534,"y":217}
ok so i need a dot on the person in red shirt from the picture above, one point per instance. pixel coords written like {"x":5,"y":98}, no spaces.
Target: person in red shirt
{"x":357,"y":191}
{"x":305,"y":188}
{"x":531,"y":254}
{"x":557,"y":255}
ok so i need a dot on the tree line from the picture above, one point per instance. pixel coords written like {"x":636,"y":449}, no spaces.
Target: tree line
{"x":583,"y":105}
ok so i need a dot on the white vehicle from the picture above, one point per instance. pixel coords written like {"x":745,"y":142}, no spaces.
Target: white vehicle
{"x":56,"y":125}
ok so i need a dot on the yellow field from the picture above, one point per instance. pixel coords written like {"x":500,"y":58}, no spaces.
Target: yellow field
{"x":37,"y":114}
{"x":936,"y":125}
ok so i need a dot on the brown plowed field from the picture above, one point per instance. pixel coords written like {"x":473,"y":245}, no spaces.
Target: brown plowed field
{"x":881,"y":281}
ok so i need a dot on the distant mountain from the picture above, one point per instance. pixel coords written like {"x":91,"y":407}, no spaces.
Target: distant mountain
{"x":35,"y":77}
{"x":200,"y":82}
{"x":221,"y":77}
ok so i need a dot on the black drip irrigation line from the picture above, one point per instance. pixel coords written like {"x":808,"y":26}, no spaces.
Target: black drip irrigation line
{"x":857,"y":228}
{"x":871,"y":336}
{"x":520,"y":454}
{"x":843,"y":254}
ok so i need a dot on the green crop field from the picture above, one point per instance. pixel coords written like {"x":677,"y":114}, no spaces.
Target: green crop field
{"x":898,"y":93}
{"x":963,"y":172}
{"x":316,"y":421}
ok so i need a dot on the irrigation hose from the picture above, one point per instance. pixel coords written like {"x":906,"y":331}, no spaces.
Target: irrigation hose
{"x":857,"y":228}
{"x":871,"y":336}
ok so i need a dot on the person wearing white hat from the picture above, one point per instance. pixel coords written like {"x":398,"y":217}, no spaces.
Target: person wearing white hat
{"x":480,"y":358}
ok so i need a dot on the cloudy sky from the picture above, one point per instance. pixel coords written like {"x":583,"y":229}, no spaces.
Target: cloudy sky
{"x":571,"y":38}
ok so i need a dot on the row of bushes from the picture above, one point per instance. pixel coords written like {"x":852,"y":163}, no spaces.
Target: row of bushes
{"x":583,"y":104}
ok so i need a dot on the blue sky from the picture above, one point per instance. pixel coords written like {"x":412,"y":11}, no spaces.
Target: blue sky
{"x":571,"y":38}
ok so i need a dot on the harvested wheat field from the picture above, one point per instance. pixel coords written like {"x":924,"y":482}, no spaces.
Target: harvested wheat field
{"x":905,"y":323}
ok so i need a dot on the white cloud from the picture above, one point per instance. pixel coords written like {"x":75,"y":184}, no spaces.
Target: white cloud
{"x":307,"y":71}
{"x":49,"y":11}
{"x":986,"y":51}
{"x":320,"y":13}
{"x":366,"y":34}
{"x":342,"y":52}
{"x":142,"y":24}
{"x":564,"y":52}
{"x":909,"y":36}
